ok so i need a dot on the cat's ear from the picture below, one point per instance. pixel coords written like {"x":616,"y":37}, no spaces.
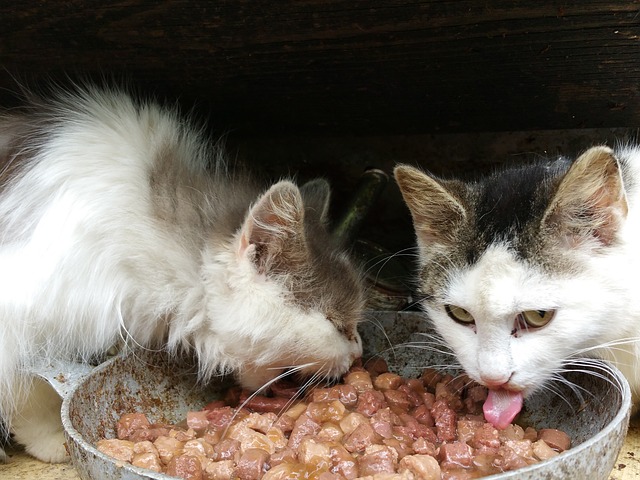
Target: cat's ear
{"x":273,"y":224}
{"x":436,"y":211}
{"x":590,"y":202}
{"x":316,"y":195}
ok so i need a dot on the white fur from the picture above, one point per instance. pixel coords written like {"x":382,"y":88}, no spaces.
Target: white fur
{"x":84,"y":262}
{"x":598,"y":310}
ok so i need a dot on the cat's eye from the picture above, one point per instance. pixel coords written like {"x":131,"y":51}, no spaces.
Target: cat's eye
{"x":459,"y":314}
{"x":537,"y":318}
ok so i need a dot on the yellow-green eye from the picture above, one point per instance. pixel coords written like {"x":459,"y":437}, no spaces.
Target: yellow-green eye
{"x":538,"y":318}
{"x":459,"y":314}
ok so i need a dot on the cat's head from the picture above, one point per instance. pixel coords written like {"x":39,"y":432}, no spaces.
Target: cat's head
{"x":288,"y":296}
{"x":519,"y":269}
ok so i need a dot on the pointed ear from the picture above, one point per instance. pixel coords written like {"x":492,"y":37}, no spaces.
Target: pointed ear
{"x":436,"y":211}
{"x":590,"y":201}
{"x":275,"y":219}
{"x":316,"y":195}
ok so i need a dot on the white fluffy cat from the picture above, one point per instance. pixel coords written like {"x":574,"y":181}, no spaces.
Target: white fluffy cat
{"x":118,"y":220}
{"x":530,"y":267}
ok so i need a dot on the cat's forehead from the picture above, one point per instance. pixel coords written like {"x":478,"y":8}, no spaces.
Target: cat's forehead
{"x":326,"y":278}
{"x":501,"y":282}
{"x":509,"y":205}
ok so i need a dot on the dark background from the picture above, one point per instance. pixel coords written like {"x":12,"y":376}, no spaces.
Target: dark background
{"x":331,"y":87}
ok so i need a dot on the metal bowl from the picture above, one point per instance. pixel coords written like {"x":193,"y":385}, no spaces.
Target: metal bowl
{"x":165,"y":391}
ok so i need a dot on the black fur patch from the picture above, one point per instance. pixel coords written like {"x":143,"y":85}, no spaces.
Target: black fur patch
{"x":509,"y":205}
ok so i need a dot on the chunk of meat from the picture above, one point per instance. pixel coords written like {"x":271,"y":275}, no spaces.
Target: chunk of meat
{"x":186,"y":467}
{"x":220,"y":418}
{"x":455,"y":454}
{"x":250,"y":439}
{"x":119,"y":449}
{"x":376,"y":366}
{"x":370,"y":401}
{"x":221,"y":470}
{"x":264,"y":404}
{"x":351,"y":421}
{"x":252,"y":464}
{"x":556,"y":439}
{"x":424,"y":467}
{"x":360,"y":438}
{"x":360,"y":380}
{"x":304,"y":426}
{"x":330,"y":411}
{"x":346,"y":394}
{"x":445,"y":419}
{"x":543,"y":451}
{"x":343,"y":463}
{"x":330,"y":432}
{"x":314,"y":453}
{"x":168,"y":447}
{"x":199,"y":421}
{"x":198,"y":447}
{"x":377,"y":459}
{"x":147,"y":460}
{"x":388,"y":381}
{"x":129,"y":423}
{"x":397,"y":400}
{"x":486,"y":438}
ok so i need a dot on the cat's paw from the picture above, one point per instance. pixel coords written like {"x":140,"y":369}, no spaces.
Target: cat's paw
{"x":37,"y":424}
{"x":49,"y":447}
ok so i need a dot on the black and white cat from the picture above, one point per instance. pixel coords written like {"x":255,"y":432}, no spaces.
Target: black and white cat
{"x":530,"y":267}
{"x":119,"y":220}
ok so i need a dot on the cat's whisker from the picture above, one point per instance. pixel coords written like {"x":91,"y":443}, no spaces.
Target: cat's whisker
{"x":594,"y":363}
{"x":265,"y":386}
{"x":620,"y":342}
{"x":400,"y":253}
{"x":417,"y":300}
{"x":435,"y":344}
{"x":554,"y":390}
{"x":379,"y":326}
{"x":427,"y":346}
{"x":440,"y":366}
{"x":595,"y":374}
{"x":316,"y":379}
{"x":575,"y":388}
{"x":594,"y":367}
{"x":586,"y":366}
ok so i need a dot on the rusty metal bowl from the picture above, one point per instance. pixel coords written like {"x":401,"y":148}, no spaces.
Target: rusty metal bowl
{"x":165,"y":391}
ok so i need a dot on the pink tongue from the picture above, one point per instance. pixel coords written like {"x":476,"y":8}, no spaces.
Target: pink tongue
{"x":501,"y":407}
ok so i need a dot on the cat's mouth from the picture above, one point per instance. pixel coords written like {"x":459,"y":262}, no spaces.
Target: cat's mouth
{"x":502,"y":406}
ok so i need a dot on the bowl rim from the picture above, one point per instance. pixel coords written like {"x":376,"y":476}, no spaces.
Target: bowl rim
{"x":621,"y":418}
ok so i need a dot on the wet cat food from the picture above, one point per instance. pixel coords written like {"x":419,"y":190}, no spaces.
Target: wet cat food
{"x":374,"y":425}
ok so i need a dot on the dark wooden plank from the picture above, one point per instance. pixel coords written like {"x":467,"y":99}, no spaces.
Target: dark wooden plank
{"x":349,"y":66}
